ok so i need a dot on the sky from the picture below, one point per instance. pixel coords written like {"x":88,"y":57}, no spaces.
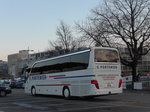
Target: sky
{"x":32,"y":23}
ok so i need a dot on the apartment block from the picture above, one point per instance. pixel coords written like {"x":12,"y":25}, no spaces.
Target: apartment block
{"x":3,"y":69}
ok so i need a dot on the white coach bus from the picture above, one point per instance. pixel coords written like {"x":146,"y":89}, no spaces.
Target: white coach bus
{"x":91,"y":72}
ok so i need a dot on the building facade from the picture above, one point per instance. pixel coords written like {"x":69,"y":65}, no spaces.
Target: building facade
{"x":16,"y":63}
{"x":143,"y":67}
{"x":3,"y":69}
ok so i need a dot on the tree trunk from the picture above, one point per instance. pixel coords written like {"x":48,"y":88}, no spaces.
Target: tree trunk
{"x":134,"y":75}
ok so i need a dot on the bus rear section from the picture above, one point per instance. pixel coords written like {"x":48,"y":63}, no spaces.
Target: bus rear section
{"x":107,"y":72}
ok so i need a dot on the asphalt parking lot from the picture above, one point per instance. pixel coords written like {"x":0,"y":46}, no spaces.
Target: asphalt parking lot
{"x":128,"y":101}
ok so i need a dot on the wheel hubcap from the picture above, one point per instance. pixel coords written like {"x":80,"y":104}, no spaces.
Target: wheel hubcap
{"x":33,"y":91}
{"x":2,"y":93}
{"x":66,"y":93}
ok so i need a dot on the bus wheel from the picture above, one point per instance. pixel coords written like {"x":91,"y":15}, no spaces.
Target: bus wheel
{"x":2,"y":93}
{"x":33,"y":91}
{"x":66,"y":93}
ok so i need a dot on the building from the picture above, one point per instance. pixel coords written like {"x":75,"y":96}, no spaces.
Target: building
{"x":143,"y":67}
{"x":3,"y":69}
{"x":16,"y":62}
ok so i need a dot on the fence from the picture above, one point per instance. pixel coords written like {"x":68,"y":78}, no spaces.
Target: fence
{"x":143,"y":83}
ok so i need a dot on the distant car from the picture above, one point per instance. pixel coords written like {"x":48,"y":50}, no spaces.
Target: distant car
{"x":13,"y":85}
{"x":19,"y":85}
{"x":4,"y":89}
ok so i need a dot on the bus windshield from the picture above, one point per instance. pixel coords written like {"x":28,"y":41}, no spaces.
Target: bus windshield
{"x":106,"y":55}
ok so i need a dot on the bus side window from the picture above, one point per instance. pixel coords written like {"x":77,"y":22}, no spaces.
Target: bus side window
{"x":80,"y":61}
{"x":35,"y":71}
{"x":68,"y":63}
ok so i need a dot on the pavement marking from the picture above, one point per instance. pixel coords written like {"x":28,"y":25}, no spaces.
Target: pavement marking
{"x":126,"y":105}
{"x":86,"y":108}
{"x":23,"y":99}
{"x":133,"y":106}
{"x":30,"y":106}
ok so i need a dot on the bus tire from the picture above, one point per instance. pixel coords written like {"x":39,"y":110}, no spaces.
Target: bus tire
{"x":66,"y":93}
{"x":2,"y":93}
{"x":33,"y":91}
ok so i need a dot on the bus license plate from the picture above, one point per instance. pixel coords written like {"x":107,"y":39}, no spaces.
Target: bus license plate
{"x":108,"y":84}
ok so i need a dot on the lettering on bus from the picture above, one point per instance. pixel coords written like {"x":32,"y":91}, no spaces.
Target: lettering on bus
{"x":108,"y":76}
{"x":38,"y":77}
{"x":106,"y":67}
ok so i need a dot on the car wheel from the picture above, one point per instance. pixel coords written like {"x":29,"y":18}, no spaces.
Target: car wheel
{"x":66,"y":93}
{"x":2,"y":93}
{"x":33,"y":91}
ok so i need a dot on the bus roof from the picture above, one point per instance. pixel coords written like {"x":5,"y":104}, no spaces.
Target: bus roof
{"x":78,"y":52}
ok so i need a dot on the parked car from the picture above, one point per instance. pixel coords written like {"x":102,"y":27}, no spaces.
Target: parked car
{"x":4,"y":89}
{"x":13,"y":85}
{"x":20,"y":85}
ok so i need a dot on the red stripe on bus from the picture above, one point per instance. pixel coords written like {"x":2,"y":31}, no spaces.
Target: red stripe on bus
{"x":108,"y":75}
{"x":57,"y":76}
{"x":55,"y":85}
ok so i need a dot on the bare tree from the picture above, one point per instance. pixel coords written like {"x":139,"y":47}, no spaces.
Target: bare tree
{"x":127,"y":22}
{"x":65,"y":41}
{"x":94,"y":32}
